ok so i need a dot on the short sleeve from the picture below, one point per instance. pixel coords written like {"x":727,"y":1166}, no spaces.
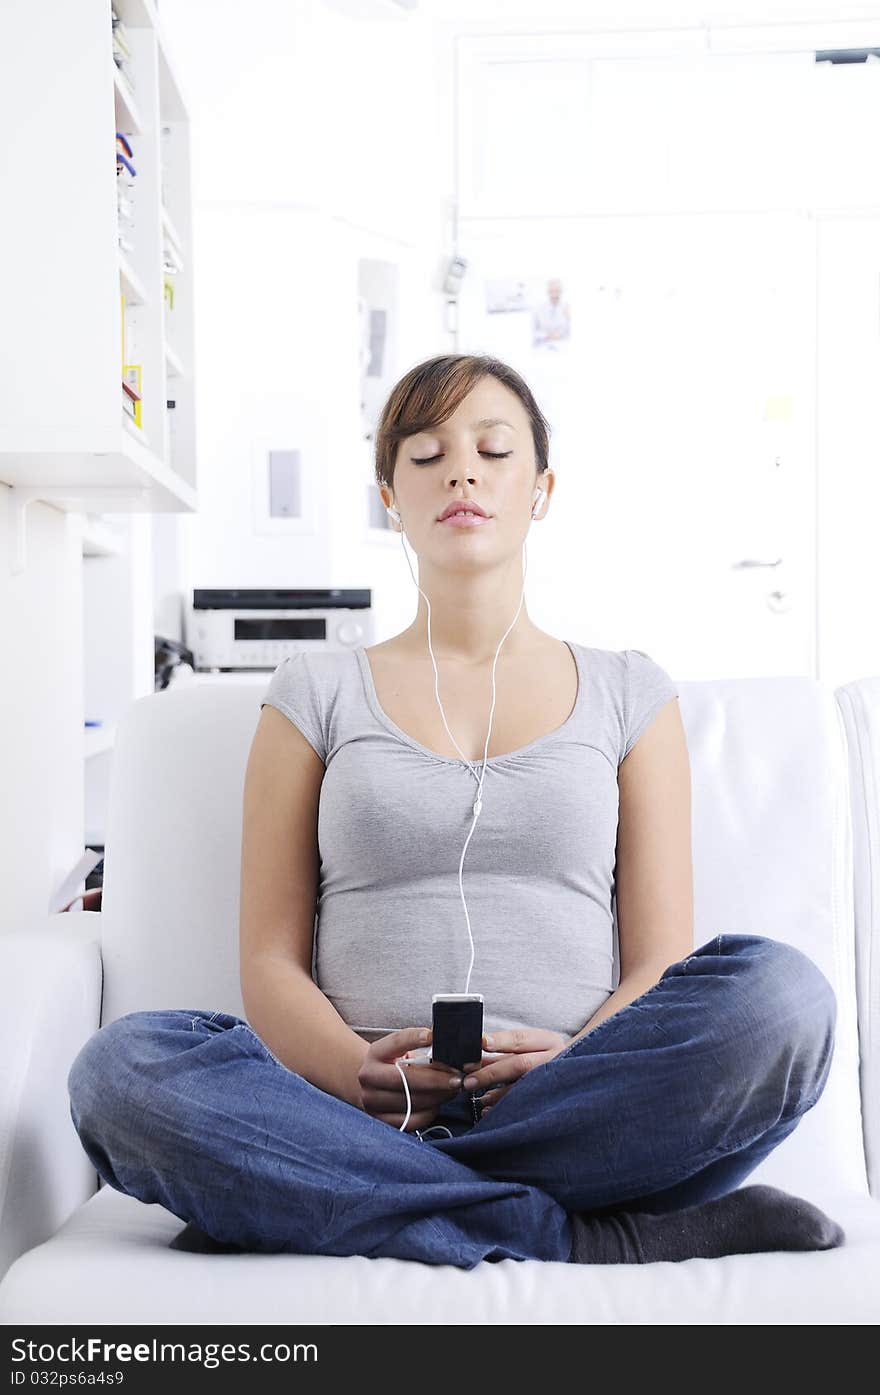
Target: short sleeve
{"x":648,"y":688}
{"x":293,"y":690}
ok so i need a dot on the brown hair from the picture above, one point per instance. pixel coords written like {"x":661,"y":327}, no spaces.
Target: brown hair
{"x":428,"y":395}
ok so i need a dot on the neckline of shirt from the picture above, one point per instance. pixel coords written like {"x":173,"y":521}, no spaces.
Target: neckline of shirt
{"x":382,"y":716}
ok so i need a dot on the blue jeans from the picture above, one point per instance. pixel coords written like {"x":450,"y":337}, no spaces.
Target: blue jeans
{"x":671,"y":1101}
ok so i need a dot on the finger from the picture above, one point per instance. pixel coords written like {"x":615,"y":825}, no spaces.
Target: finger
{"x":486,"y":1083}
{"x":474,"y":1071}
{"x":494,"y":1095}
{"x":521,"y":1039}
{"x":426,"y":1084}
{"x":419,"y":1079}
{"x":425,"y":1074}
{"x":504,"y":1071}
{"x":488,"y":1058}
{"x":488,"y":1102}
{"x":398,"y":1043}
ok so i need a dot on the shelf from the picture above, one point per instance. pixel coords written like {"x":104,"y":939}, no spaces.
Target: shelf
{"x":126,"y":479}
{"x":72,"y":446}
{"x":132,"y":285}
{"x":108,"y":461}
{"x":128,"y":118}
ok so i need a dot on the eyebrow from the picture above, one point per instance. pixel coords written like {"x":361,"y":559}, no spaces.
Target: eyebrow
{"x":484,"y":421}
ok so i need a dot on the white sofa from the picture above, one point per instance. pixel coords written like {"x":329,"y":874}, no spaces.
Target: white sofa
{"x":786,"y":795}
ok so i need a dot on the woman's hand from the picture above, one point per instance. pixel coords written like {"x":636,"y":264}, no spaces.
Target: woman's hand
{"x":381,"y":1087}
{"x":520,"y":1050}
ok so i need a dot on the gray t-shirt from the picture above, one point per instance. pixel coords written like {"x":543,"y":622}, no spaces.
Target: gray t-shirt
{"x":538,"y":874}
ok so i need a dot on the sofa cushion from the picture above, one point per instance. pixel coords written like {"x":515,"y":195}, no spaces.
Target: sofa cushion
{"x":112,"y":1260}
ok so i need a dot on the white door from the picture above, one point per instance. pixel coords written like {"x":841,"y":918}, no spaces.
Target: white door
{"x":682,"y":404}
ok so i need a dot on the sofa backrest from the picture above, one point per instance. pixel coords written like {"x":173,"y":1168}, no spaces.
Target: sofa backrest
{"x":859,"y":703}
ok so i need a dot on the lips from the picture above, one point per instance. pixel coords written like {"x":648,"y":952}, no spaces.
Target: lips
{"x":464,"y":520}
{"x":460,"y":506}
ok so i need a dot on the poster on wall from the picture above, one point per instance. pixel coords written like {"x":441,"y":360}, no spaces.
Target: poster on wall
{"x":543,"y":302}
{"x":551,"y":319}
{"x":526,"y":320}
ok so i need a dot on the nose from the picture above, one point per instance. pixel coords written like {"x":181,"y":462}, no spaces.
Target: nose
{"x":458,"y":473}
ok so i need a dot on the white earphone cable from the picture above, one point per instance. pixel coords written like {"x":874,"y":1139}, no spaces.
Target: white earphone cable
{"x":478,"y":802}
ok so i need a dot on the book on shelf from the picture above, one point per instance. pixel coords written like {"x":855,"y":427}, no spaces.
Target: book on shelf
{"x":124,"y":183}
{"x":122,"y":54}
{"x":126,"y":72}
{"x":171,"y":262}
{"x":131,"y":391}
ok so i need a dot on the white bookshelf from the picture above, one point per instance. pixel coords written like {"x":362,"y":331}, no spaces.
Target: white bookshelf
{"x":64,"y":436}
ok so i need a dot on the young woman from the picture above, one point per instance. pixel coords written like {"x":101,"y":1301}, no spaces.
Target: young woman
{"x":457,"y":809}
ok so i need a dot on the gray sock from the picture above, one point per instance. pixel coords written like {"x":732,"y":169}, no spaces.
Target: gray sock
{"x":746,"y":1221}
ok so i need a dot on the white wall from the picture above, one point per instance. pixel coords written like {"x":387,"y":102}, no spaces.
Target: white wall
{"x":41,"y":711}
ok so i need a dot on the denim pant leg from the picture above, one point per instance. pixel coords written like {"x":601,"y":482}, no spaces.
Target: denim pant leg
{"x":677,"y":1097}
{"x":192,"y":1111}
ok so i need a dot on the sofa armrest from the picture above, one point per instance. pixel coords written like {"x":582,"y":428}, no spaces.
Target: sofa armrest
{"x":859,"y":704}
{"x":53,"y":977}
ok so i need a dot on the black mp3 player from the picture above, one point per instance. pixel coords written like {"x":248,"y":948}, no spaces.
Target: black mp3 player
{"x":457,"y":1020}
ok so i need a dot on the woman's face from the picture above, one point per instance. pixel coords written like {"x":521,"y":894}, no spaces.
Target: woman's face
{"x":484,"y":452}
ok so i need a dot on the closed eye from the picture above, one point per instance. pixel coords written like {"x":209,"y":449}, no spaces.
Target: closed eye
{"x":493,"y":455}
